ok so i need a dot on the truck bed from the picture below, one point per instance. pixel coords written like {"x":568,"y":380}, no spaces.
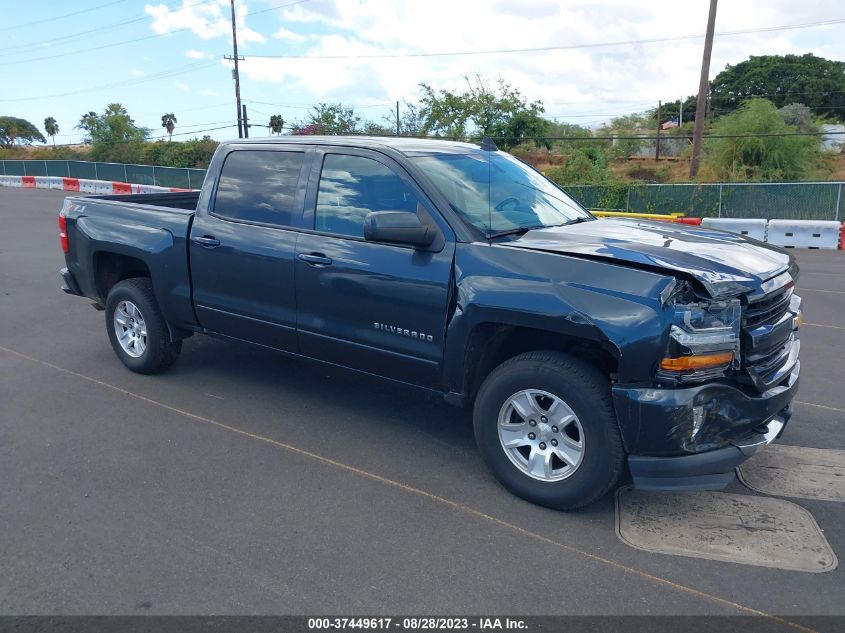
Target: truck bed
{"x":183,"y":200}
{"x":150,"y":231}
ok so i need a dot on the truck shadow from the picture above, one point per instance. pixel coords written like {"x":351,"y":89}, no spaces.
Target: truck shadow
{"x":246,"y":371}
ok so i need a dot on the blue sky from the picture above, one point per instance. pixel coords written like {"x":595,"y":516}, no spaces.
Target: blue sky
{"x":167,"y":57}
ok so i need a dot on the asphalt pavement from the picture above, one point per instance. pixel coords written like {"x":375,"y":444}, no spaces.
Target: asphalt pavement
{"x":243,"y":482}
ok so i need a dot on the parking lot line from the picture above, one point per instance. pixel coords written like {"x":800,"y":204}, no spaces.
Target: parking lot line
{"x":833,"y":327}
{"x":835,"y":292}
{"x":820,"y":406}
{"x":427,"y":495}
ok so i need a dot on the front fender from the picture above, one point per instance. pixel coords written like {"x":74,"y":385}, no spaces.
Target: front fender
{"x":617,"y":307}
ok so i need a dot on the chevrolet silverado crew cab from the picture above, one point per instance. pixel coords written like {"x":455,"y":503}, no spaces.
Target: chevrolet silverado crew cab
{"x":588,"y":348}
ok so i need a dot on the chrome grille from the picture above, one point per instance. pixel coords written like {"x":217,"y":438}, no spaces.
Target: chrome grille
{"x":769,"y":346}
{"x":769,"y":309}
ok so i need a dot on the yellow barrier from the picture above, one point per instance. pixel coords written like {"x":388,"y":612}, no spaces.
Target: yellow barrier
{"x":639,"y":216}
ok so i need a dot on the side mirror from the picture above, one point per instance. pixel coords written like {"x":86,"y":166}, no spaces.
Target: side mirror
{"x":398,"y":227}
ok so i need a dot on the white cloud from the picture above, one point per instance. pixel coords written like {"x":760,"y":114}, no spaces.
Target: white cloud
{"x":195,"y":54}
{"x":181,"y":86}
{"x":208,"y":92}
{"x":583,"y":85}
{"x":207,"y":20}
{"x":284,"y":34}
{"x":135,"y":72}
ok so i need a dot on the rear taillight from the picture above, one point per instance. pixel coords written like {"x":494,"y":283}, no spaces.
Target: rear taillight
{"x":63,"y":232}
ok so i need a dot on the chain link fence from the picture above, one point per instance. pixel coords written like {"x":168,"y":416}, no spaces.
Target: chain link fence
{"x":770,"y":201}
{"x":183,"y":178}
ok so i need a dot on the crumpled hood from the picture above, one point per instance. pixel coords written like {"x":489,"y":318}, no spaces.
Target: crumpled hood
{"x":720,"y":261}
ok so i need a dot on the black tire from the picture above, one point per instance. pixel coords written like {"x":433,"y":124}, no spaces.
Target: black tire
{"x":160,"y":352}
{"x":587,"y":393}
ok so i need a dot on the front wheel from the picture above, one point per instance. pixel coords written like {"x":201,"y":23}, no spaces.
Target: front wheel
{"x":544,"y":423}
{"x":136,"y":328}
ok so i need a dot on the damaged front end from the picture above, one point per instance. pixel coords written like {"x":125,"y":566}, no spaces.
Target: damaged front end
{"x":722,"y":390}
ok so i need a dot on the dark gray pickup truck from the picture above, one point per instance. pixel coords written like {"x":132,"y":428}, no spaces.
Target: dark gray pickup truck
{"x":587,"y":347}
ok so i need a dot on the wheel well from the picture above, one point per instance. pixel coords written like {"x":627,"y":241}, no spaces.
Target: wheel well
{"x":492,"y":344}
{"x":110,"y":268}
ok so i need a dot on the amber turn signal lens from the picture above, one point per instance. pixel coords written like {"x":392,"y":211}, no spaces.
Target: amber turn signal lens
{"x":701,"y":361}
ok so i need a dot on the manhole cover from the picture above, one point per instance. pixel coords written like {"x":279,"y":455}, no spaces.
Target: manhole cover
{"x":725,"y":527}
{"x":795,"y":471}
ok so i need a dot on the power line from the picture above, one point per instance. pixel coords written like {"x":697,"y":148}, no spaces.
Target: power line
{"x":105,"y":27}
{"x":132,"y":41}
{"x":542,"y":49}
{"x":163,"y":75}
{"x":61,"y":17}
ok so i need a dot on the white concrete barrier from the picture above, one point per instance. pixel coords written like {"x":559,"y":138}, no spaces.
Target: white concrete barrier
{"x":148,"y":189}
{"x":88,"y":186}
{"x":48,"y":182}
{"x":752,"y":228}
{"x":11,"y":181}
{"x":804,"y":233}
{"x":103,"y":187}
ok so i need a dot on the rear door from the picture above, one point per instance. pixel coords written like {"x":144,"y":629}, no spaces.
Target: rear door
{"x":372,"y":306}
{"x":242,"y":249}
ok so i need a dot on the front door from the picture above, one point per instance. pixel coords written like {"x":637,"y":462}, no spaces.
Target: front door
{"x":372,"y":306}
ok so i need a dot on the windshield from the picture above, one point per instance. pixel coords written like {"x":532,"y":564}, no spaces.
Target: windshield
{"x":496,"y":193}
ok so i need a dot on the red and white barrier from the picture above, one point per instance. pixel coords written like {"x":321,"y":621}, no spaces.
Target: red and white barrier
{"x":83,"y":185}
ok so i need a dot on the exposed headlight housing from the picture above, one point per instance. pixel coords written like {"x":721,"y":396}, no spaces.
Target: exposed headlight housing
{"x":703,"y":341}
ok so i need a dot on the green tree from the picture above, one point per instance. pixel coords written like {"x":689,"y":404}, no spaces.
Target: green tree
{"x":277,"y":124}
{"x":168,"y":122}
{"x":14,"y":130}
{"x":626,"y":129}
{"x":800,"y":116}
{"x":782,"y":79}
{"x":88,"y":122}
{"x":585,"y":166}
{"x":500,"y":112}
{"x":329,"y":118}
{"x":755,"y":143}
{"x":113,"y":134}
{"x":411,"y":120}
{"x":52,"y":128}
{"x":672,"y":110}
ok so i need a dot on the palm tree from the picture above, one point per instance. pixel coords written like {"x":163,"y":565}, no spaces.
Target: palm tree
{"x":51,"y":127}
{"x":87,"y":121}
{"x":115,"y":108}
{"x":168,"y":122}
{"x":277,"y":123}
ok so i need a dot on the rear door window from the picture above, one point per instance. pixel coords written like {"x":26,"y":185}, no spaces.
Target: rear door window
{"x":259,"y":186}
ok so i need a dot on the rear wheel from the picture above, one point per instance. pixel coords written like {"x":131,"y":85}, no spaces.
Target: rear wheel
{"x":545,"y":425}
{"x":136,"y":328}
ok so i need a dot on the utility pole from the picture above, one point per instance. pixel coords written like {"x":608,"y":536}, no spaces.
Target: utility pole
{"x":245,"y":123}
{"x":680,"y":112}
{"x":397,"y":118}
{"x":657,"y":144}
{"x":703,"y":92}
{"x":236,"y":74}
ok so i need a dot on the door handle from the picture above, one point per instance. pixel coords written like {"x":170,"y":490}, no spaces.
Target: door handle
{"x":315,"y":259}
{"x":206,"y":241}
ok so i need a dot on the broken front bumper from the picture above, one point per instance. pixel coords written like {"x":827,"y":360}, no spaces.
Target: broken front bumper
{"x":693,"y":439}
